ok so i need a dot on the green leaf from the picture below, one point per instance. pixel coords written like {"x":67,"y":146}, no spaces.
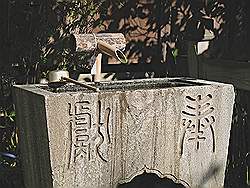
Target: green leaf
{"x":175,"y":52}
{"x":12,"y":116}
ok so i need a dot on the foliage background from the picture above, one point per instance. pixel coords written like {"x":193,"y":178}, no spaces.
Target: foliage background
{"x":33,"y":40}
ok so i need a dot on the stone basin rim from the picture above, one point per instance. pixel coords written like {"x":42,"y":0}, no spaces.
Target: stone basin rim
{"x":126,"y":85}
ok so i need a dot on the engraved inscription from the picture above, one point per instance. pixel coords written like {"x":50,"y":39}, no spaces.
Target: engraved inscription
{"x":88,"y":139}
{"x":80,"y":126}
{"x":103,"y":130}
{"x":198,"y":117}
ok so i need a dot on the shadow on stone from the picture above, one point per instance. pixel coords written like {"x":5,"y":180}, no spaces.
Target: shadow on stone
{"x":150,"y":180}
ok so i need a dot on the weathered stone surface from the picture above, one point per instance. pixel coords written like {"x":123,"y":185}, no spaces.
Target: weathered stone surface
{"x":97,"y":140}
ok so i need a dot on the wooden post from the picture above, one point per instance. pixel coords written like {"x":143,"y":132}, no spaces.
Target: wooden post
{"x":98,"y":62}
{"x":193,"y":64}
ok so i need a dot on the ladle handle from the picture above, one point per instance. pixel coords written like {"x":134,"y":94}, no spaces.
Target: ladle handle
{"x":79,"y":83}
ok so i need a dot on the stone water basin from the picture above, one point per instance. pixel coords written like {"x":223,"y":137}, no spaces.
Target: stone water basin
{"x":125,"y":85}
{"x":75,"y":137}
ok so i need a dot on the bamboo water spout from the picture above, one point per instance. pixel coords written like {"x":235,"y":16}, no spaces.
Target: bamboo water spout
{"x":110,"y":44}
{"x":107,"y":49}
{"x":111,"y":51}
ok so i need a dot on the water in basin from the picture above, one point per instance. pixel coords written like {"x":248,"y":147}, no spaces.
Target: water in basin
{"x":125,"y":85}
